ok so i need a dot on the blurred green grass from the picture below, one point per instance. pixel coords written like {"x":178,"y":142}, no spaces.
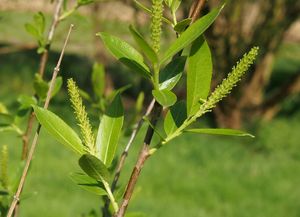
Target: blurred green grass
{"x":192,"y":176}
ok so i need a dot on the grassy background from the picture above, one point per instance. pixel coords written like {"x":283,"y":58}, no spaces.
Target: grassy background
{"x":192,"y":176}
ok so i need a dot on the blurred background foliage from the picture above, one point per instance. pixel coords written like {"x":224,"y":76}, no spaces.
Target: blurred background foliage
{"x":222,"y":176}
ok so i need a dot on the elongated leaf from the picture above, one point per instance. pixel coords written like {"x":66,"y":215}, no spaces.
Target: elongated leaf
{"x":175,"y":5}
{"x":39,"y":20}
{"x":182,"y":25}
{"x":32,"y":30}
{"x":109,"y":131}
{"x":57,"y":128}
{"x":93,"y":167}
{"x":175,"y":117}
{"x":125,"y":53}
{"x":172,"y":73}
{"x":143,"y":44}
{"x":164,"y":97}
{"x":225,"y":132}
{"x":191,"y":33}
{"x":199,"y":73}
{"x":98,"y":79}
{"x":87,"y":183}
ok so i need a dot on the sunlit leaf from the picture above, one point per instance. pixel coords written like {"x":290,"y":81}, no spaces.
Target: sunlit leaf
{"x":164,"y":97}
{"x":143,"y":44}
{"x":191,"y":33}
{"x":57,"y":128}
{"x":109,"y":131}
{"x":220,"y":131}
{"x":199,"y":73}
{"x":125,"y":53}
{"x":172,"y":73}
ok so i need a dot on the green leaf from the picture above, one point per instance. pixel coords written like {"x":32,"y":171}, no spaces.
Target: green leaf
{"x":219,"y":131}
{"x":199,"y":73}
{"x":85,"y":95}
{"x":143,"y":44}
{"x":26,"y":101}
{"x":172,"y":73}
{"x":32,"y":30}
{"x":191,"y":33}
{"x":98,"y":79}
{"x":40,"y":86}
{"x":164,"y":97}
{"x":109,"y":131}
{"x":57,"y":128}
{"x":139,"y":102}
{"x":57,"y":86}
{"x":175,"y":117}
{"x":175,"y":5}
{"x":93,"y":167}
{"x":87,"y":183}
{"x":39,"y":20}
{"x":125,"y":53}
{"x":182,"y":25}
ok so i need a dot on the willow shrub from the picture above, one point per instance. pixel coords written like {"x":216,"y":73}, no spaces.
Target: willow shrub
{"x":188,"y":52}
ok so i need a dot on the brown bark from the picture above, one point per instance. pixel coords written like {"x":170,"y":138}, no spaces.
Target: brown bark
{"x":240,"y":26}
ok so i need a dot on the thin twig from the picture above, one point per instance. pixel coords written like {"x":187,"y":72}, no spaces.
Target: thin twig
{"x":34,"y":142}
{"x":196,"y":9}
{"x":144,"y":153}
{"x":53,"y":26}
{"x":43,"y":61}
{"x":143,"y":156}
{"x":125,"y":153}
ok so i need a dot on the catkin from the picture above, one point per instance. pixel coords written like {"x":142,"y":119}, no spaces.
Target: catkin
{"x":156,"y":22}
{"x":82,"y":117}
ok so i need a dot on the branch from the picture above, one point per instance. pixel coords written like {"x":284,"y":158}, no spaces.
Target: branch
{"x":196,"y":9}
{"x":145,"y":153}
{"x":143,"y":156}
{"x":43,"y":61}
{"x":34,"y":142}
{"x":125,"y":154}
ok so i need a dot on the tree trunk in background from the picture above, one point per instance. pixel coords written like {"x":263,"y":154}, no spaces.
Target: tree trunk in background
{"x":242,"y":25}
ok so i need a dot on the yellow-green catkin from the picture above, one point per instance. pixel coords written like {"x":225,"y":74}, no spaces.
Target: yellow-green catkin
{"x":82,"y":117}
{"x":156,"y":22}
{"x":232,"y":79}
{"x":4,"y":164}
